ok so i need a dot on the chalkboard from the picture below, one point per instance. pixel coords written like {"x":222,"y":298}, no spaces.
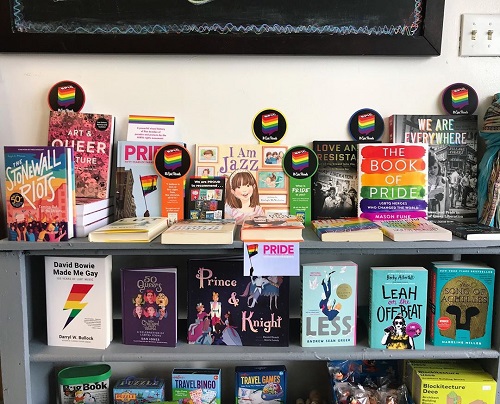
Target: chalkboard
{"x":322,"y":27}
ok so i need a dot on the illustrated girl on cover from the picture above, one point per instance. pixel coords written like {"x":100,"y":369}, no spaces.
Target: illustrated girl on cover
{"x":242,"y":197}
{"x":395,"y":336}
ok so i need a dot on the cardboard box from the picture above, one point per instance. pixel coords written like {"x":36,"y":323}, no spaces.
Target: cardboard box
{"x":200,"y":385}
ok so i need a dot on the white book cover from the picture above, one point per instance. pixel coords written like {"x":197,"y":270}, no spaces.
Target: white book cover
{"x":78,"y":298}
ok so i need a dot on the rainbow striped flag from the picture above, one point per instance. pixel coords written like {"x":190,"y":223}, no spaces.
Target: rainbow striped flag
{"x":148,"y":183}
{"x":252,"y":249}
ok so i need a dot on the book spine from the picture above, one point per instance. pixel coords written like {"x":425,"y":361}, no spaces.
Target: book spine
{"x":432,"y":304}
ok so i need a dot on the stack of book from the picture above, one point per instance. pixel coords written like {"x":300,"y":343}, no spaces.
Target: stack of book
{"x":92,"y":214}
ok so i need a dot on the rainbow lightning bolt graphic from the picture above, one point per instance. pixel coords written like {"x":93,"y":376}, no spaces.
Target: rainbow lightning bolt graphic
{"x":74,"y":301}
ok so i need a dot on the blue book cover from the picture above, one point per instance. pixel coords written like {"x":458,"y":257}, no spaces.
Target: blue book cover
{"x":329,"y":304}
{"x":461,"y":304}
{"x":398,"y":307}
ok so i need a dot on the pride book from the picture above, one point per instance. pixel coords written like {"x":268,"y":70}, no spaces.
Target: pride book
{"x":414,"y":230}
{"x":262,"y":228}
{"x":91,"y":137}
{"x":149,"y":306}
{"x":39,"y":188}
{"x":79,"y":301}
{"x":472,"y":231}
{"x":347,"y":229}
{"x":398,"y":307}
{"x":132,"y":229}
{"x":200,"y":232}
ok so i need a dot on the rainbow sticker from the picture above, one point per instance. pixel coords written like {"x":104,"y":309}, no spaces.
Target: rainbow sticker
{"x":172,"y":159}
{"x":269,"y":123}
{"x":366,"y":123}
{"x":151,"y":120}
{"x":252,"y":249}
{"x":74,"y":301}
{"x":300,"y":160}
{"x":66,"y":95}
{"x":459,"y":97}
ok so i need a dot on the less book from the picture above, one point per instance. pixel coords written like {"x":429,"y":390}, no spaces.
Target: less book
{"x":131,"y":229}
{"x":414,"y":230}
{"x":200,"y":232}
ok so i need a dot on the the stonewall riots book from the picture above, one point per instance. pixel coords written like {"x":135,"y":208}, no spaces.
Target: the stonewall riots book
{"x":392,"y":181}
{"x":414,"y":230}
{"x":39,"y":188}
{"x":149,"y":306}
{"x":452,"y":169}
{"x":205,"y":198}
{"x":91,"y":137}
{"x":347,"y":229}
{"x":255,"y":182}
{"x":79,"y":301}
{"x":398,"y":307}
{"x":337,"y":175}
{"x":227,"y":308}
{"x":329,"y":304}
{"x":461,"y":304}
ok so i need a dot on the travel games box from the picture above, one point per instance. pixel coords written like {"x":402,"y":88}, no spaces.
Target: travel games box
{"x":260,"y":384}
{"x":202,"y":386}
{"x":132,"y":390}
{"x":461,"y":304}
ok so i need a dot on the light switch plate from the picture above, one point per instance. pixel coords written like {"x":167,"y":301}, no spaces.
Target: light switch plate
{"x":480,"y":35}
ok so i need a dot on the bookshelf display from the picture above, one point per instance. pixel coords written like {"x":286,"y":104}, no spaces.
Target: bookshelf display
{"x":30,"y":365}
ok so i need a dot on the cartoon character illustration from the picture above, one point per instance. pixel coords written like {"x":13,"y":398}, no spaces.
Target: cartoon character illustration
{"x":150,"y":296}
{"x":395,"y":336}
{"x":229,"y":334}
{"x":242,"y":197}
{"x":138,"y":300}
{"x":199,"y":330}
{"x":138,"y":312}
{"x":78,"y":397}
{"x":265,"y":286}
{"x":215,"y":309}
{"x":329,"y":308}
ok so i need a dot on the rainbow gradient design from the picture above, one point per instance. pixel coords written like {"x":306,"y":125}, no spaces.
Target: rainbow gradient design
{"x":66,"y":95}
{"x":252,"y":249}
{"x":148,"y":183}
{"x":300,"y":160}
{"x":459,"y":97}
{"x":151,"y":120}
{"x":269,"y":123}
{"x":172,"y":159}
{"x":74,"y":300}
{"x":366,"y":123}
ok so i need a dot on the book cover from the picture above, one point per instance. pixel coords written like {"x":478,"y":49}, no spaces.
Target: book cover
{"x":398,"y":307}
{"x":39,"y":188}
{"x":200,"y":231}
{"x":79,"y":301}
{"x":83,"y":230}
{"x":205,"y":198}
{"x":149,"y":306}
{"x":392,"y":181}
{"x":272,"y":258}
{"x":452,"y":168}
{"x":329,"y":304}
{"x":91,"y":137}
{"x":255,"y":182}
{"x":131,"y":229}
{"x":263,"y":228}
{"x":461,"y":304}
{"x":472,"y":231}
{"x":335,"y":184}
{"x":347,"y":229}
{"x":227,"y":308}
{"x":414,"y":230}
{"x":86,"y":206}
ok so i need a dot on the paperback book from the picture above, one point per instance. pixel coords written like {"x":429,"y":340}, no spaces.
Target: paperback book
{"x":91,"y":212}
{"x":132,"y":229}
{"x":398,"y":307}
{"x":472,"y":231}
{"x":79,"y":301}
{"x":347,"y":229}
{"x":263,"y":228}
{"x":414,"y":230}
{"x":205,"y":198}
{"x":227,"y":308}
{"x":329,"y":304}
{"x":91,"y":137}
{"x":83,"y":230}
{"x":40,"y":196}
{"x":149,"y":306}
{"x":216,"y":231}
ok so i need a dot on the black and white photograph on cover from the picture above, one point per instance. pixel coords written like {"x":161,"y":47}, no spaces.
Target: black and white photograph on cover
{"x":335,"y":194}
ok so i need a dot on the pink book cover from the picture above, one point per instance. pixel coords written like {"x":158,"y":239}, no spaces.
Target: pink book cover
{"x":91,"y":136}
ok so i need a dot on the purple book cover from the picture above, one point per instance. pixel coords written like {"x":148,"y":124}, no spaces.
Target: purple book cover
{"x":149,"y":306}
{"x":227,"y":308}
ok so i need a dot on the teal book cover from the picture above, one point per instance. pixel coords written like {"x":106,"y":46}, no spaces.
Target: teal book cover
{"x":461,"y":304}
{"x":329,"y":304}
{"x":398,"y":307}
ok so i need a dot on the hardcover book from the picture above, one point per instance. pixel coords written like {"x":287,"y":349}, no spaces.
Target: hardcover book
{"x":149,"y":306}
{"x":335,"y":179}
{"x":392,"y":181}
{"x":414,"y":230}
{"x":398,"y":307}
{"x":472,"y":231}
{"x":227,"y":308}
{"x":461,"y":304}
{"x":216,"y":231}
{"x":262,"y":228}
{"x":347,"y":229}
{"x":205,"y":198}
{"x":79,"y":301}
{"x":86,"y":206}
{"x":132,"y":229}
{"x":39,"y":188}
{"x":91,"y":137}
{"x":452,"y":169}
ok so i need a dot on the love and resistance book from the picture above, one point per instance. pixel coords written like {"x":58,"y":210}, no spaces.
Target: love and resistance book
{"x":453,"y":160}
{"x":91,"y":137}
{"x":392,"y":181}
{"x":227,"y":308}
{"x":329,"y":304}
{"x":39,"y":188}
{"x":398,"y":307}
{"x":79,"y":301}
{"x":149,"y":306}
{"x":205,"y":198}
{"x":337,"y":175}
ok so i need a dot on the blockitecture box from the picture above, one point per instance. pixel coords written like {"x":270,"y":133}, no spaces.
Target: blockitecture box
{"x":132,"y":390}
{"x":199,"y":385}
{"x":260,"y":384}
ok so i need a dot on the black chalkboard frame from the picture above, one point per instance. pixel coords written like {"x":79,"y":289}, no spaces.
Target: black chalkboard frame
{"x":427,"y":43}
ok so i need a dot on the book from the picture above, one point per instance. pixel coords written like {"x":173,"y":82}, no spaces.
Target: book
{"x":191,"y":231}
{"x":337,"y":173}
{"x":262,"y":228}
{"x":329,"y":304}
{"x":83,"y":230}
{"x":256,"y":184}
{"x":79,"y":301}
{"x":91,"y":137}
{"x":392,"y":181}
{"x":132,"y":229}
{"x":227,"y":308}
{"x":398,"y":307}
{"x":86,"y":206}
{"x":39,"y":190}
{"x":414,"y":230}
{"x":138,"y":186}
{"x":88,"y":217}
{"x":472,"y":231}
{"x":205,"y":198}
{"x":452,"y":168}
{"x":347,"y":229}
{"x":461,"y":297}
{"x":149,"y":306}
